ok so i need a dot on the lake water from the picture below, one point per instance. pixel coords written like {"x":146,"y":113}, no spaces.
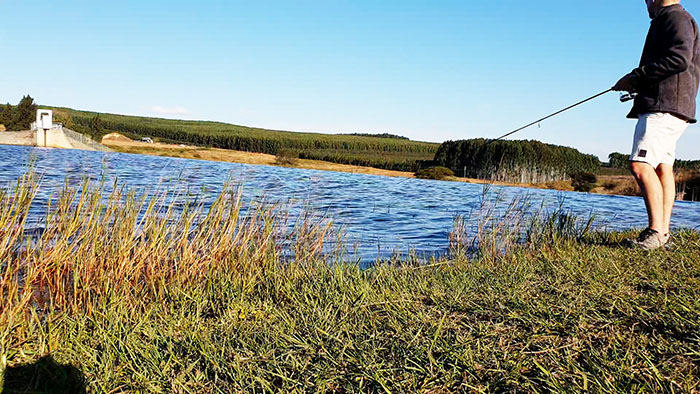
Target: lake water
{"x":379,"y":215}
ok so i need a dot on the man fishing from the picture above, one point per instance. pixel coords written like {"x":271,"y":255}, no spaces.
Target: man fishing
{"x":666,"y":84}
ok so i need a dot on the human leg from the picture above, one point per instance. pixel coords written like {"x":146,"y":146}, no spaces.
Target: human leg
{"x":668,"y":184}
{"x":651,"y":163}
{"x":653,"y":193}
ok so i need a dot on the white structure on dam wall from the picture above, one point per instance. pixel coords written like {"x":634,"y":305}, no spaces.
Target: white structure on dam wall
{"x":48,"y":134}
{"x":54,"y":135}
{"x":45,"y":133}
{"x":44,"y":119}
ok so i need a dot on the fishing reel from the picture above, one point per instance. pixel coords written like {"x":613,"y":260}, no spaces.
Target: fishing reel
{"x":625,"y":97}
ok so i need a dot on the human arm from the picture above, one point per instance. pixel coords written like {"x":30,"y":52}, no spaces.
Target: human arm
{"x":677,"y":33}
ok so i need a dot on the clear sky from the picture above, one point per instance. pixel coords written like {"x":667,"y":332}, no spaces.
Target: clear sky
{"x":429,"y":70}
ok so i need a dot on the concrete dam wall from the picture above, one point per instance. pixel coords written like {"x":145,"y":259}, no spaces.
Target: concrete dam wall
{"x":59,"y":137}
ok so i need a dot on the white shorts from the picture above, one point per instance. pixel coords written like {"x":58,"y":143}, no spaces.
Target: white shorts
{"x":655,"y":138}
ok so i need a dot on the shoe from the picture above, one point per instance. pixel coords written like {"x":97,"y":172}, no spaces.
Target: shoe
{"x":649,"y":240}
{"x":670,"y":245}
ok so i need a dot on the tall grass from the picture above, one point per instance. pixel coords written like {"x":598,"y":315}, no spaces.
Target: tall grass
{"x":500,"y":227}
{"x":143,"y":295}
{"x":93,"y":245}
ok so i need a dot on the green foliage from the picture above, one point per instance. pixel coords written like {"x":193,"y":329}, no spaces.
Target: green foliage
{"x":64,"y":118}
{"x":514,"y":161}
{"x":97,"y":131}
{"x":26,"y":113}
{"x":618,"y":160}
{"x":396,"y":161}
{"x":438,"y":173}
{"x":382,"y":135}
{"x":583,"y":181}
{"x":287,"y":157}
{"x":7,"y":115}
{"x":687,"y":164}
{"x":376,"y":151}
{"x":19,"y":117}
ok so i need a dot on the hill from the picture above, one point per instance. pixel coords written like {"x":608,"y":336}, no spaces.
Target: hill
{"x":371,"y":151}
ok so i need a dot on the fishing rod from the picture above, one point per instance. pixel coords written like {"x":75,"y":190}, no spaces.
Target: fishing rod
{"x":624,"y":98}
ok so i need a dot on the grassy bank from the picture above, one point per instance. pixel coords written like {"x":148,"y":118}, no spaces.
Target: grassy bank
{"x":153,"y":302}
{"x":121,"y":144}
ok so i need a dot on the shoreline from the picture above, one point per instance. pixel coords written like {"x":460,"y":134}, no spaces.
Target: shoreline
{"x":233,"y":156}
{"x":120,"y":143}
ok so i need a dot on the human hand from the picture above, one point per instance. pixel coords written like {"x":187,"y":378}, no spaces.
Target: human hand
{"x":625,"y":84}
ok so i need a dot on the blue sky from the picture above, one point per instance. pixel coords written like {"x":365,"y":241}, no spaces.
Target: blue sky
{"x":428,"y":70}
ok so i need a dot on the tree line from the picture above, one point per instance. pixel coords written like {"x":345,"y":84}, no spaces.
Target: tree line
{"x":382,"y":135}
{"x":20,"y":116}
{"x":514,"y":161}
{"x":687,"y":174}
{"x":380,"y":151}
{"x":396,"y":161}
{"x":227,"y":136}
{"x":621,"y":160}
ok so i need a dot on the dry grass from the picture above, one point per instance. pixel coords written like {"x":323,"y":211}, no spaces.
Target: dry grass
{"x":124,"y":145}
{"x":621,"y":185}
{"x":96,"y":246}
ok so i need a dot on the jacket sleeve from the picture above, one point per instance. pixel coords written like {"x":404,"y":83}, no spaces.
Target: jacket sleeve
{"x":679,"y":37}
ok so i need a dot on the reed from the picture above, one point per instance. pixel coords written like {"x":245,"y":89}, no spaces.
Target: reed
{"x":93,"y":246}
{"x":147,"y":293}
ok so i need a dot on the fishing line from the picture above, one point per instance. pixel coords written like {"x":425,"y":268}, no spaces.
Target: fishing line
{"x":537,"y":122}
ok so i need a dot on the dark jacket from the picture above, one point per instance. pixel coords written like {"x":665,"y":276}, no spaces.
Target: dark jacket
{"x":669,"y":72}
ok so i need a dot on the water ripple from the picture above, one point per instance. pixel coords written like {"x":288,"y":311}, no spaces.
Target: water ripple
{"x":380,"y":215}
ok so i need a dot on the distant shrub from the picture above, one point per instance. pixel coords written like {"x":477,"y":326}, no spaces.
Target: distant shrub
{"x":609,"y":185}
{"x":558,"y":185}
{"x":287,"y":157}
{"x":438,"y":173}
{"x":583,"y":181}
{"x":618,"y":160}
{"x":629,"y":189}
{"x":688,"y":185}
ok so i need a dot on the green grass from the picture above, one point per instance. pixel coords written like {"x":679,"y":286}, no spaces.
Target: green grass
{"x":219,"y":308}
{"x":385,"y":152}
